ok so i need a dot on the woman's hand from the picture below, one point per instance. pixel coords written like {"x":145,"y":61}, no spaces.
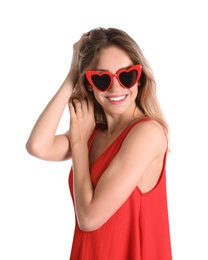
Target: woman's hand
{"x":74,"y":68}
{"x":82,"y":124}
{"x":82,"y":121}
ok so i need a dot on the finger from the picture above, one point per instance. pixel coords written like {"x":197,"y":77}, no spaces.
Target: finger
{"x":84,"y":105}
{"x":82,"y":39}
{"x":71,"y":109}
{"x":86,"y":33}
{"x":77,"y":106}
{"x":76,"y":102}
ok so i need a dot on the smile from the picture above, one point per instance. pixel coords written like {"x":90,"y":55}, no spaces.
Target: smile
{"x":117,"y":98}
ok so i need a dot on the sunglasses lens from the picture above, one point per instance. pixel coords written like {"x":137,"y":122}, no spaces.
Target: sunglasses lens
{"x":101,"y":82}
{"x":128,"y":79}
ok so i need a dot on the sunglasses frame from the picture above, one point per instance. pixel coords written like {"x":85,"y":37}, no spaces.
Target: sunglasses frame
{"x":90,"y":73}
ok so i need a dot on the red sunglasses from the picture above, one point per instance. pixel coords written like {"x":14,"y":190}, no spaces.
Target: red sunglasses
{"x":103,"y":80}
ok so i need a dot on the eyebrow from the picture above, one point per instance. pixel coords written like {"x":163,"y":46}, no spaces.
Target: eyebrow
{"x":101,"y":70}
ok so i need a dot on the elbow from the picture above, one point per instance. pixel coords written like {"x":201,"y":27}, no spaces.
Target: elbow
{"x":29,"y":147}
{"x":34,"y":149}
{"x":89,"y":225}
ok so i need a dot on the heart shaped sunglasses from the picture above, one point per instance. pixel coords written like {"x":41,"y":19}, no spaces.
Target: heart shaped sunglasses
{"x":103,"y":80}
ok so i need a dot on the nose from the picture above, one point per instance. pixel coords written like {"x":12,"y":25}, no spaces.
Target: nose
{"x":115,"y":84}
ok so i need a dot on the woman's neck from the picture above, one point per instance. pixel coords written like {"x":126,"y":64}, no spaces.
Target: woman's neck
{"x":116,"y":123}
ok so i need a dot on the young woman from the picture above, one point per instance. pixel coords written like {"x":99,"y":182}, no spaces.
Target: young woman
{"x":118,"y":143}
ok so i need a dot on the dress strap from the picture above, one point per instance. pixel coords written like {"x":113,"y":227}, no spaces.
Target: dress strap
{"x":127,"y":130}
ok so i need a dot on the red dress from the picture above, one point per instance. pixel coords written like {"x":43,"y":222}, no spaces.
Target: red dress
{"x":138,"y":230}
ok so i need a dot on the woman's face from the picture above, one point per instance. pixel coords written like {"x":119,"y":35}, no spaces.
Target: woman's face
{"x":117,"y":99}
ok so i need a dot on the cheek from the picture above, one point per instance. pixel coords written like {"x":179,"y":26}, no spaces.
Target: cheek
{"x":134,"y":91}
{"x":97,"y":95}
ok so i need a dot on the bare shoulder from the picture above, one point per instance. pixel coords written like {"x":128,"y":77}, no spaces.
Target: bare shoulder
{"x":148,"y":134}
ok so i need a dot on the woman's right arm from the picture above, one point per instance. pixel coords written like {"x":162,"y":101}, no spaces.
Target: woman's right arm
{"x":43,"y":142}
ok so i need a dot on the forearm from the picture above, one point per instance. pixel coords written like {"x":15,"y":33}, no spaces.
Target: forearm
{"x":83,"y":188}
{"x":43,"y":133}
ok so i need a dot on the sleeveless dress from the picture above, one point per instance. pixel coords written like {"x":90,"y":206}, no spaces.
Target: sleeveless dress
{"x":138,"y":230}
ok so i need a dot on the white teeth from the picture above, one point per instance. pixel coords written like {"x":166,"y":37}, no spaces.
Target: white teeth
{"x":117,"y":98}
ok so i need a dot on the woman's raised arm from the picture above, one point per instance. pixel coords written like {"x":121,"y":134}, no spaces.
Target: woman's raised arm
{"x":43,"y":142}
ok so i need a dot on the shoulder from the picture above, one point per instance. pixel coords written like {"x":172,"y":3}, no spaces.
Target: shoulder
{"x":148,"y":134}
{"x":149,"y":125}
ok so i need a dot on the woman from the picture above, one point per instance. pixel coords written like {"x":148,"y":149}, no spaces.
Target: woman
{"x":117,"y":141}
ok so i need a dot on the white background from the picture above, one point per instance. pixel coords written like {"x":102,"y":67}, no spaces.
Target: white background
{"x":36,"y":212}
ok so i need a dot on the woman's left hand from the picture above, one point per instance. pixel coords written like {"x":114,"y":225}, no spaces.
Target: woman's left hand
{"x":82,"y":122}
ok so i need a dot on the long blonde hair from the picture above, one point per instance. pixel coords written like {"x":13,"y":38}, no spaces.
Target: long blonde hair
{"x":100,"y":38}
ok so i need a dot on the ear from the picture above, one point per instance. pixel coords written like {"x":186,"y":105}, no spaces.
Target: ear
{"x":139,"y":83}
{"x":89,"y":87}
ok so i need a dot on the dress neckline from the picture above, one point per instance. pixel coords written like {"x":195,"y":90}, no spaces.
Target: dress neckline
{"x":102,"y":127}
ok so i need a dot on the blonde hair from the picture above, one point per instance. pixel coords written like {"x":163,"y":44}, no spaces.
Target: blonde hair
{"x":100,"y":38}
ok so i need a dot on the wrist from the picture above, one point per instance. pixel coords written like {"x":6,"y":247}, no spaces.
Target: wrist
{"x":72,"y":77}
{"x":80,"y":155}
{"x":79,"y":145}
